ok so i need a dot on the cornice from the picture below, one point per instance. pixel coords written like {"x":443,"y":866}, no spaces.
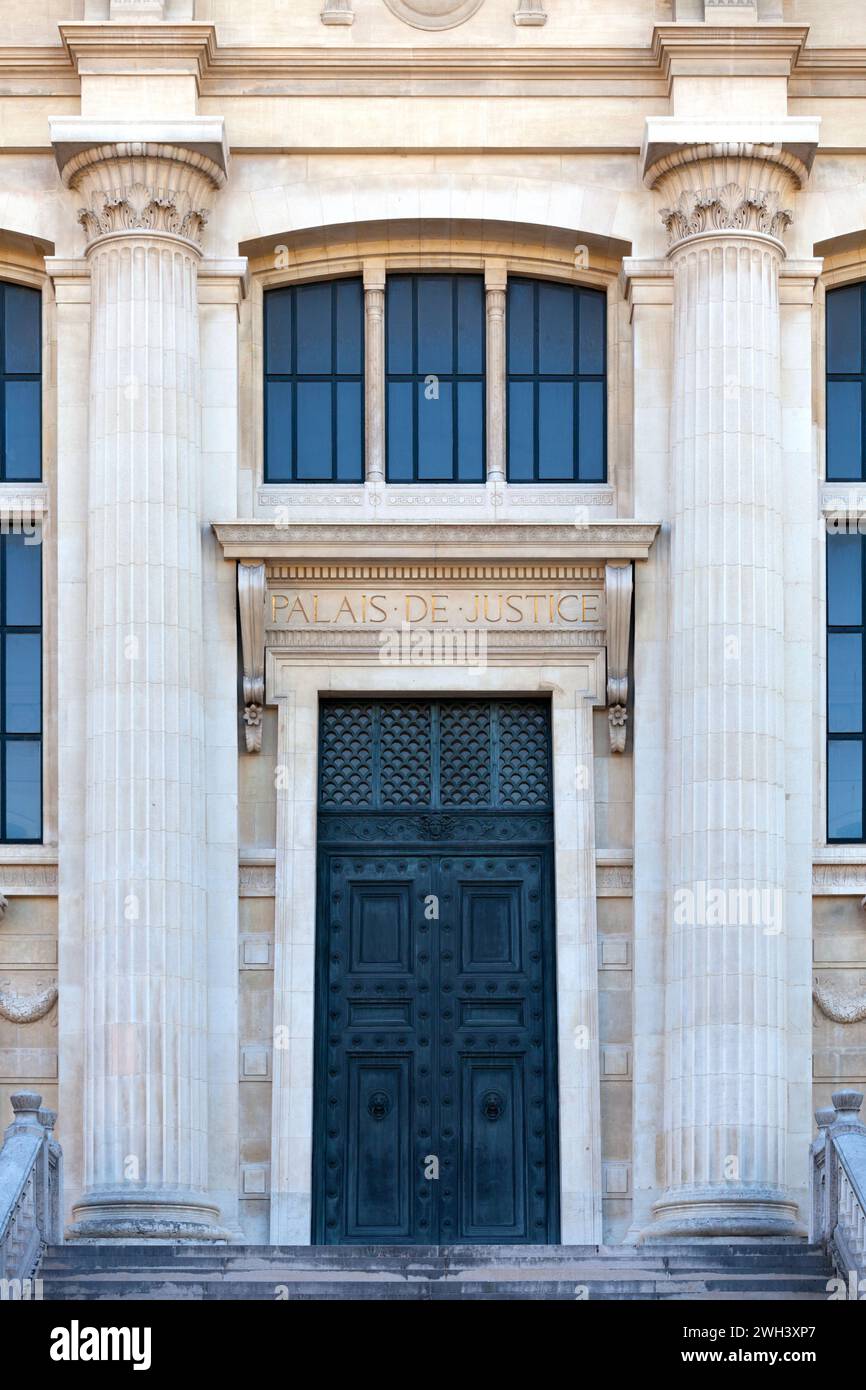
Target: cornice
{"x":466,"y":541}
{"x":698,"y":48}
{"x":166,"y":45}
{"x":358,"y":70}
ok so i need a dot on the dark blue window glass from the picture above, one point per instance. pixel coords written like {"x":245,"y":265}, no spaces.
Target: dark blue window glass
{"x":21,"y":687}
{"x":314,"y":383}
{"x":20,"y":384}
{"x":556,"y":383}
{"x":846,"y":383}
{"x":846,"y":649}
{"x":434,"y":358}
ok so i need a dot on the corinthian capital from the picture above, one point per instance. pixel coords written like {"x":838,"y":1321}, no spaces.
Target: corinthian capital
{"x":147,"y":177}
{"x":728,"y":177}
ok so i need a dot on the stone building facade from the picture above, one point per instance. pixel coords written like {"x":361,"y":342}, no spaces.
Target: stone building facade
{"x":431,"y":737}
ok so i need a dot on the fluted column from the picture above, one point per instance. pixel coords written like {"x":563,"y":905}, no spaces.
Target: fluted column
{"x":726,"y":1063}
{"x":145,"y":1058}
{"x":495,"y":286}
{"x":374,"y":377}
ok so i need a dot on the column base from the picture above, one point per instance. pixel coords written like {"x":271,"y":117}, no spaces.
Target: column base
{"x":710,"y":1213}
{"x":163,"y":1217}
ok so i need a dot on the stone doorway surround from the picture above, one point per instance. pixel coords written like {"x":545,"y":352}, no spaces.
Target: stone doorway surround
{"x":293,"y":580}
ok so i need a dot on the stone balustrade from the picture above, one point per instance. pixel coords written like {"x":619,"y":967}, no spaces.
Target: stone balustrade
{"x":30,"y":1187}
{"x":838,"y":1173}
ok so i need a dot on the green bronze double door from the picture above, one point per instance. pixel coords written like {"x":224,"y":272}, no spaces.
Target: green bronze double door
{"x":436,"y":1108}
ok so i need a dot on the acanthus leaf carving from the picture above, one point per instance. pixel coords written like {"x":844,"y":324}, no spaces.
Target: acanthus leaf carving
{"x":729,"y":208}
{"x":141,"y":209}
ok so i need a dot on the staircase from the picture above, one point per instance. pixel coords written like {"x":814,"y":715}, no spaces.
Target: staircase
{"x":752,"y":1271}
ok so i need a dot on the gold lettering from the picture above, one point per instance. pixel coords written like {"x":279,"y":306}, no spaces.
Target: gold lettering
{"x":590,"y":617}
{"x":417,"y":598}
{"x":512,"y":602}
{"x":376,"y":604}
{"x":566,"y":598}
{"x":439,"y":615}
{"x":476,"y":615}
{"x":346,"y":607}
{"x":488,"y":618}
{"x":297,"y":607}
{"x":277,"y":601}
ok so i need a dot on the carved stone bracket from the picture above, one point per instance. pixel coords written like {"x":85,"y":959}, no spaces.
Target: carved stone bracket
{"x":619,"y":585}
{"x":530,"y":12}
{"x":337,"y":12}
{"x":252,"y":600}
{"x":19,"y":1008}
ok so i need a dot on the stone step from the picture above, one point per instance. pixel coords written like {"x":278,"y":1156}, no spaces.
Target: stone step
{"x":711,"y":1270}
{"x":768,"y":1256}
{"x":391,"y":1290}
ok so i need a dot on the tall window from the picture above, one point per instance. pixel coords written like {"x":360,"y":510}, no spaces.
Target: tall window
{"x":846,"y":557}
{"x":556,"y":383}
{"x":846,"y":381}
{"x":314,"y":383}
{"x":20,"y":384}
{"x":435,"y":339}
{"x":21,"y":688}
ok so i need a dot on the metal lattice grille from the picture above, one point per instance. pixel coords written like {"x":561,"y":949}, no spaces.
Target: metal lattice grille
{"x":406,"y":754}
{"x":396,"y":755}
{"x":346,"y":777}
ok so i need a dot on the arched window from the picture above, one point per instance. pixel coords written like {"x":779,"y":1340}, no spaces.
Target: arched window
{"x":556,"y":383}
{"x":314,"y":383}
{"x":435,"y":341}
{"x":20,"y":383}
{"x":846,"y":379}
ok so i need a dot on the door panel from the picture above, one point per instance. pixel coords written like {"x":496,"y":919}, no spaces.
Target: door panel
{"x":435,"y":1101}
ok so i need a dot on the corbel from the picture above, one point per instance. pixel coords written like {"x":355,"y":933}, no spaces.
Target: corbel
{"x":619,"y":585}
{"x":252,"y":600}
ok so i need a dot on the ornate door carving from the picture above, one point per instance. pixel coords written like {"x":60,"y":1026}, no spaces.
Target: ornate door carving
{"x":436,"y":1107}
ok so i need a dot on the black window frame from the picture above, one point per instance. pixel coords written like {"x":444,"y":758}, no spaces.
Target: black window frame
{"x":6,"y":377}
{"x":334,"y":378}
{"x":15,"y":629}
{"x":831,"y":377}
{"x":832,"y":630}
{"x":536,"y":378}
{"x":455,"y":378}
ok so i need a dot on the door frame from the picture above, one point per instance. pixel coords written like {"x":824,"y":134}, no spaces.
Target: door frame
{"x":575,"y":683}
